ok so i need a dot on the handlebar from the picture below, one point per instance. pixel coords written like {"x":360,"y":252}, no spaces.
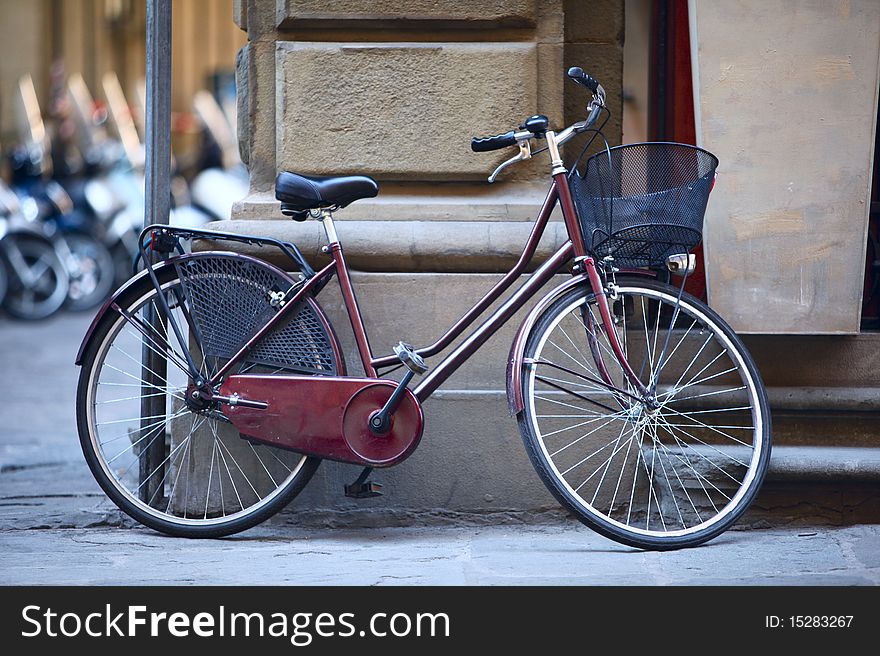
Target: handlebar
{"x":536,"y":126}
{"x":495,"y":142}
{"x":577,"y":74}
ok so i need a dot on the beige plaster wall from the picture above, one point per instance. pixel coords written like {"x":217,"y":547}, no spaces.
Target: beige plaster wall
{"x":787,"y":99}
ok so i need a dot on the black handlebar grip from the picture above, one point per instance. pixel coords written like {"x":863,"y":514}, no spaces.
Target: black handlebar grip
{"x":493,"y":143}
{"x":577,"y":74}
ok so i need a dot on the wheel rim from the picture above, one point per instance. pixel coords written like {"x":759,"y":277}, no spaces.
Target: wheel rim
{"x":208,"y":475}
{"x":681,"y":468}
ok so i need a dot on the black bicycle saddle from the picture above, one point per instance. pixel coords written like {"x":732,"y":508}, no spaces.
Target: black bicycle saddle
{"x":306,"y":192}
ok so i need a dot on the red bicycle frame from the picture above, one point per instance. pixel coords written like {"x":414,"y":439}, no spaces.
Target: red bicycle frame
{"x":572,"y":248}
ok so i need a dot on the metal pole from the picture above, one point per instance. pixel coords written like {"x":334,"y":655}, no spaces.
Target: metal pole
{"x":157,"y":190}
{"x":158,"y":112}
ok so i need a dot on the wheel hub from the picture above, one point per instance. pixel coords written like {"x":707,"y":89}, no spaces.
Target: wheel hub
{"x":196,"y":400}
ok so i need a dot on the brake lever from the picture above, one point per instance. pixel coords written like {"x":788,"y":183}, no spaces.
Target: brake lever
{"x":525,"y":152}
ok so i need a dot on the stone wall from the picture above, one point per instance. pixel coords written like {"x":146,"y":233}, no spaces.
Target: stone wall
{"x":395,"y":89}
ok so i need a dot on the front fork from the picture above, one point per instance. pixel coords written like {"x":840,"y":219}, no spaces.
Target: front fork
{"x":598,"y":284}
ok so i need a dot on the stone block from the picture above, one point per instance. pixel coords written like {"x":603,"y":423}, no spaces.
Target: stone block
{"x":505,"y":200}
{"x":605,"y":63}
{"x":444,"y":246}
{"x":551,"y":74}
{"x":261,"y":115}
{"x":460,"y":13}
{"x":239,"y":13}
{"x":243,"y":112}
{"x":598,"y":21}
{"x":399,"y":110}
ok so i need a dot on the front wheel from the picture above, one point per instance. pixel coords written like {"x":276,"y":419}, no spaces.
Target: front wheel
{"x":665,"y":470}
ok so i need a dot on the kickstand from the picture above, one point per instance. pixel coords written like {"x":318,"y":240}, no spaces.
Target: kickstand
{"x":362,"y":488}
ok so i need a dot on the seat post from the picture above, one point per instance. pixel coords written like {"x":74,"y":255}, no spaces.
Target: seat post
{"x":329,"y":228}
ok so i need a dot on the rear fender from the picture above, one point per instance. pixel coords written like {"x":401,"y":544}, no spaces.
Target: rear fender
{"x":162,"y":268}
{"x":159,"y":268}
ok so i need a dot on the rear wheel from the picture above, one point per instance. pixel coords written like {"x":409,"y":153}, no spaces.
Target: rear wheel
{"x":178,"y":467}
{"x":662,"y":473}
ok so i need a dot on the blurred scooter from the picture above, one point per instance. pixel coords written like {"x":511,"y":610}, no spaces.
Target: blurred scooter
{"x":33,"y":279}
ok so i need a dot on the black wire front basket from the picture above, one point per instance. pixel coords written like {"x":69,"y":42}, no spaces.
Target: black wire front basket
{"x":641,"y":203}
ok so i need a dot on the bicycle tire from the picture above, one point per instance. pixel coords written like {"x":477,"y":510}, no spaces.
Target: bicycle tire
{"x":674,"y":440}
{"x":169,"y":521}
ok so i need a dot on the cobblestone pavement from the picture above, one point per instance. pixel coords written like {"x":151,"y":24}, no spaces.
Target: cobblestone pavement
{"x":56,"y":527}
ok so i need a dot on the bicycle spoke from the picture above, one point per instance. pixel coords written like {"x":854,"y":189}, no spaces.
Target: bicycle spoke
{"x":703,"y":380}
{"x":180,"y":469}
{"x":263,"y":465}
{"x":558,"y":402}
{"x":602,"y":478}
{"x":668,"y":484}
{"x":228,"y":473}
{"x":142,"y":382}
{"x":573,"y":393}
{"x":607,"y":349}
{"x":699,"y":396}
{"x":712,"y":428}
{"x":582,"y":437}
{"x":247,"y":480}
{"x":708,"y":460}
{"x":682,"y":442}
{"x":603,"y":386}
{"x":210,"y":478}
{"x":571,"y":341}
{"x":582,"y":461}
{"x":161,"y":484}
{"x":161,"y":379}
{"x":687,"y":494}
{"x":129,"y":398}
{"x":594,"y":389}
{"x":694,"y":359}
{"x":161,"y":464}
{"x":569,"y":356}
{"x":698,"y":475}
{"x":622,"y":469}
{"x":154,"y":347}
{"x":573,"y":426}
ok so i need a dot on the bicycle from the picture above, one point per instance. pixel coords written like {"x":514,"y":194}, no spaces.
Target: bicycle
{"x":213,"y":384}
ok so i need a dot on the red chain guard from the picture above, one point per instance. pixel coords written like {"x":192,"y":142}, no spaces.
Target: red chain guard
{"x":325,"y":416}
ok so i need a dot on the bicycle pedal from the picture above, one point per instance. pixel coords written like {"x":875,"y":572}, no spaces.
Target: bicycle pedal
{"x":412,"y":360}
{"x":365,"y":490}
